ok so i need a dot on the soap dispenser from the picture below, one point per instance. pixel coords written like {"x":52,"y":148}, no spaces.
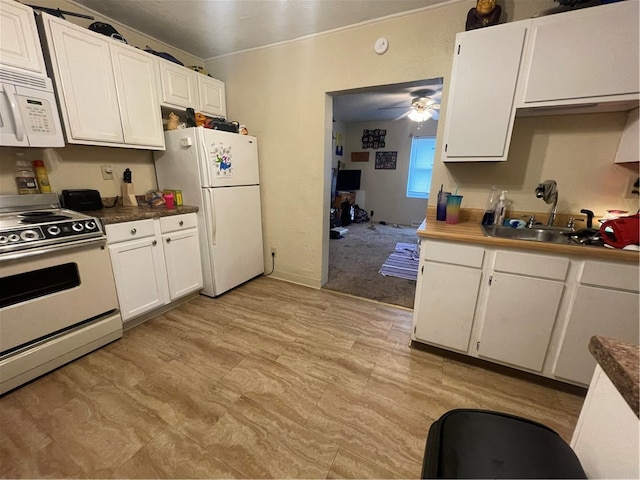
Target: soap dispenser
{"x":501,"y":209}
{"x":490,"y":207}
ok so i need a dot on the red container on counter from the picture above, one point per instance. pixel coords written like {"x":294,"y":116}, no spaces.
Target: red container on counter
{"x":169,"y":201}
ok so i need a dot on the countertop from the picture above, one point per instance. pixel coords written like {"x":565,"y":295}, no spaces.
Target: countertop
{"x":620,"y":362}
{"x":120,"y":214}
{"x":469,"y":230}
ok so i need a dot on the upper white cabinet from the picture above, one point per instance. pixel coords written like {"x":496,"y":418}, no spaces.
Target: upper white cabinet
{"x":629,"y":147}
{"x":183,"y":88}
{"x":19,"y":42}
{"x":106,"y":90}
{"x":480,"y":113}
{"x":573,"y":62}
{"x":590,"y":54}
{"x":212,"y":96}
{"x":179,"y":86}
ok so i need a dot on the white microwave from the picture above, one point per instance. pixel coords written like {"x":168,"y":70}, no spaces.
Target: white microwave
{"x":28,"y":111}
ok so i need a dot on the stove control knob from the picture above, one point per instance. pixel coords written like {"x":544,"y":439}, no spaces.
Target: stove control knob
{"x":77,"y":227}
{"x":3,"y":239}
{"x":53,"y":230}
{"x":90,"y":225}
{"x":29,"y":235}
{"x":14,"y":238}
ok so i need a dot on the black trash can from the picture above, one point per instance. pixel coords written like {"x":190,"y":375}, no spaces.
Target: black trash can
{"x":469,"y":443}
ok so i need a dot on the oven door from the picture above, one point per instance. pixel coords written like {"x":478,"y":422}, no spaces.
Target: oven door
{"x":47,"y":291}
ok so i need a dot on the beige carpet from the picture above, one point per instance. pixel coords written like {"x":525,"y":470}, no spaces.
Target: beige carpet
{"x":355,"y":259}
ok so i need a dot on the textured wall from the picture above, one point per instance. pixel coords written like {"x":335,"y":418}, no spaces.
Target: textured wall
{"x":280,"y":93}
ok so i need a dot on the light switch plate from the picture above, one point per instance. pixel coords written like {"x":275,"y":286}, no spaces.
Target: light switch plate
{"x":107,"y":172}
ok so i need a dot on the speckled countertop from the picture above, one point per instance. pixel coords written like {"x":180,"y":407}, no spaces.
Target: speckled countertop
{"x":120,"y":214}
{"x":620,"y":361}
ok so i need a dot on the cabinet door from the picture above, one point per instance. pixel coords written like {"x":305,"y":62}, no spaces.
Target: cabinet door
{"x":178,"y":85}
{"x":518,"y":319}
{"x":138,"y":267}
{"x":19,"y":41}
{"x":480,"y":108}
{"x":447,"y":304}
{"x":85,"y":83}
{"x":182,"y":256}
{"x":596,"y":311}
{"x":212,"y":96}
{"x":134,"y":73}
{"x":587,"y":53}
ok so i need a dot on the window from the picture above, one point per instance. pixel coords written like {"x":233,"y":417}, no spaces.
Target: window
{"x":420,"y":166}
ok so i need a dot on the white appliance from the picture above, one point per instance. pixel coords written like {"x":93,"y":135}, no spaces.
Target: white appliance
{"x":28,"y":111}
{"x":218,"y":172}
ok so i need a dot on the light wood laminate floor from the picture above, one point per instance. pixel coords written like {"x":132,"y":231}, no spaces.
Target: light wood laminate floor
{"x":271,"y":380}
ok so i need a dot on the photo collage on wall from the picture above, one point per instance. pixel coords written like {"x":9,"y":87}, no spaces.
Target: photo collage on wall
{"x":373,"y":138}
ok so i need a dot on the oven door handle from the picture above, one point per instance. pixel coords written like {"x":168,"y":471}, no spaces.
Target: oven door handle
{"x":51,"y":248}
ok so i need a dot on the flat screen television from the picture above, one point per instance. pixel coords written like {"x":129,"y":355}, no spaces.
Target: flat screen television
{"x":348,"y":180}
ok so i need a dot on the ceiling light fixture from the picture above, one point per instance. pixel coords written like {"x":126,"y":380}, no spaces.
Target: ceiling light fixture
{"x":420,"y":115}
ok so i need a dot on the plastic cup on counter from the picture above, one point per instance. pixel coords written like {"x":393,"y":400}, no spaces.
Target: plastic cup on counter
{"x":169,"y":201}
{"x":453,"y":208}
{"x":441,"y":208}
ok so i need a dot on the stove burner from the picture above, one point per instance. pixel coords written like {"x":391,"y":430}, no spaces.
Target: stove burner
{"x":44,"y":219}
{"x":42,"y":213}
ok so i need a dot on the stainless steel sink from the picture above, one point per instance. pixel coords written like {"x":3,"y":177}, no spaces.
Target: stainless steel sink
{"x":537,"y":234}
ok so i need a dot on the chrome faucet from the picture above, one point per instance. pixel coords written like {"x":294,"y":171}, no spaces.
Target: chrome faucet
{"x":548,"y":191}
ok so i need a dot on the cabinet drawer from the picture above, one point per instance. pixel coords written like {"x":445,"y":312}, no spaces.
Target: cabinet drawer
{"x":554,"y":268}
{"x":455,"y":254}
{"x":612,"y":275}
{"x":178,"y":222}
{"x":120,"y":232}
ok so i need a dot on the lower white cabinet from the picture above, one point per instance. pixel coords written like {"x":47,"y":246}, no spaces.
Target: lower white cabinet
{"x":154,"y":263}
{"x":523,"y":297}
{"x":531,"y":311}
{"x":606,"y":304}
{"x":448,"y":293}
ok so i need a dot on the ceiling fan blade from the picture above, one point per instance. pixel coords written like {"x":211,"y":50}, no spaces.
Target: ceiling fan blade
{"x":401,"y":116}
{"x":391,"y":108}
{"x":435,"y":114}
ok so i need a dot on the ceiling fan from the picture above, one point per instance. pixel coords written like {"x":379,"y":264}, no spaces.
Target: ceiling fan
{"x":425,"y":105}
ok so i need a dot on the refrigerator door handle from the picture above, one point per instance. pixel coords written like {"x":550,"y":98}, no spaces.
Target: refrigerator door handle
{"x":205,"y":153}
{"x":211,"y":221}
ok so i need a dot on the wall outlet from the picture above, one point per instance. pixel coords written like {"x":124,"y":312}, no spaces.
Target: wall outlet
{"x":107,"y":172}
{"x":274,"y":251}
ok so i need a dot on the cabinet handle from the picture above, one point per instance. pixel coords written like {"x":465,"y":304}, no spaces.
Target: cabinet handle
{"x":181,"y":223}
{"x":168,"y":240}
{"x":154,"y":243}
{"x":133,"y":231}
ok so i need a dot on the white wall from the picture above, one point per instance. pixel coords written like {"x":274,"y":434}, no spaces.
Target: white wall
{"x":385,"y":190}
{"x":280,"y":93}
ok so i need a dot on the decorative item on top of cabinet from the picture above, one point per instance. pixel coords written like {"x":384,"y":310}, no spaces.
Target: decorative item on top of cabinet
{"x":485,"y":13}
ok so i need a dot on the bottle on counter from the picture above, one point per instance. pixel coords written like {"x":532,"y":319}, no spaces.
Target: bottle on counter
{"x":25,"y":178}
{"x":490,"y":207}
{"x":501,"y":209}
{"x":41,"y":176}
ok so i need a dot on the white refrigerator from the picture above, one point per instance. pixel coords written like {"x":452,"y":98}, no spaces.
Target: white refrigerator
{"x":218,"y":172}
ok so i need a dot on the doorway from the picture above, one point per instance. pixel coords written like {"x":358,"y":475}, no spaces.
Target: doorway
{"x":355,"y":259}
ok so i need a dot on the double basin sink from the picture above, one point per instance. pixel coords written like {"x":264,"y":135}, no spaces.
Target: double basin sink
{"x":537,"y":233}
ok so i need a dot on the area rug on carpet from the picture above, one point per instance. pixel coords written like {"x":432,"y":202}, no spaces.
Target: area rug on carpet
{"x":402,"y":263}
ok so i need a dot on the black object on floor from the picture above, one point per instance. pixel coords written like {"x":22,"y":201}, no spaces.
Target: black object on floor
{"x":470,"y":443}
